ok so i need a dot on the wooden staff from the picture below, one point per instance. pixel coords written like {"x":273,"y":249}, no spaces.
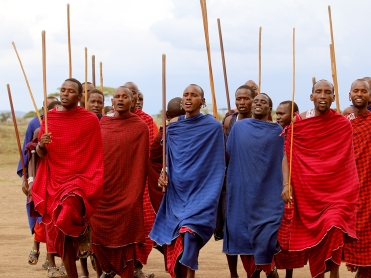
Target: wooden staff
{"x":44,"y":81}
{"x":93,"y":69}
{"x":28,"y":84}
{"x":69,"y":41}
{"x":101,"y":80}
{"x":17,"y":137}
{"x":164,"y":118}
{"x":206,"y":31}
{"x":260,"y":59}
{"x":224,"y":67}
{"x":314,"y":81}
{"x":292,"y":108}
{"x":333,"y":63}
{"x":86,"y":78}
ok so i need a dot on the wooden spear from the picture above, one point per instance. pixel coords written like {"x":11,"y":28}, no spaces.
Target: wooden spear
{"x":101,"y":80}
{"x":206,"y":31}
{"x":44,"y":80}
{"x":93,"y":69}
{"x":17,"y":137}
{"x":224,"y":67}
{"x":292,"y":108}
{"x":28,"y":84}
{"x":86,"y":78}
{"x":333,"y":63}
{"x":164,"y":119}
{"x":260,"y":59}
{"x":313,"y":80}
{"x":69,"y":41}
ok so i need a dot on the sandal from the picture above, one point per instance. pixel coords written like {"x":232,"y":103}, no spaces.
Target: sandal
{"x":107,"y":275}
{"x":139,"y":273}
{"x":45,"y":265}
{"x":54,"y":272}
{"x":62,"y":271}
{"x":33,"y":257}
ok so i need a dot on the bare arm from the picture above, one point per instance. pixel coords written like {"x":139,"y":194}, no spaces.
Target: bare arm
{"x":285,"y":173}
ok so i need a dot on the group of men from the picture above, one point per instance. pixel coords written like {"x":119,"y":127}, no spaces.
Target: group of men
{"x":99,"y":185}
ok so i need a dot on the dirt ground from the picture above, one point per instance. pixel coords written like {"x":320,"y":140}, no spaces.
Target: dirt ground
{"x":16,"y":240}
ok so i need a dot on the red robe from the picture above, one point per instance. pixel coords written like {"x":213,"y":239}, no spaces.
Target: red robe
{"x":325,"y":188}
{"x":69,"y":180}
{"x":117,"y":227}
{"x":359,"y":253}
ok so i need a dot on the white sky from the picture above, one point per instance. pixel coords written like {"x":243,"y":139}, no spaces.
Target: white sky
{"x":130,"y":36}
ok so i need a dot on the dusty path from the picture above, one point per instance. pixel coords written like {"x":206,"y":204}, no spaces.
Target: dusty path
{"x":16,"y":241}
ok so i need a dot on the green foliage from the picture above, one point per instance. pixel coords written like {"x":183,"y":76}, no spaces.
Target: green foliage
{"x":32,"y":114}
{"x":5,"y":116}
{"x":107,"y":91}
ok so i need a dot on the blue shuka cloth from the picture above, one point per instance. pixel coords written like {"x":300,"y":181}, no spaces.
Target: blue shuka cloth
{"x":196,"y":164}
{"x":254,"y":187}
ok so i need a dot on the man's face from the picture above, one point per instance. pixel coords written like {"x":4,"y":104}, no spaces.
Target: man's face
{"x":253,"y":85}
{"x":283,"y":115}
{"x":134,"y":90}
{"x":95,"y":103}
{"x":243,"y":101}
{"x":89,"y":87}
{"x":360,"y":94}
{"x":322,"y":96}
{"x":122,"y":100}
{"x":139,"y":104}
{"x":260,"y":106}
{"x":192,"y":99}
{"x":69,"y":95}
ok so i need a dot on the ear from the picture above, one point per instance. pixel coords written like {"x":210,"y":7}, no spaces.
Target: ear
{"x":203,"y":101}
{"x":311,"y":97}
{"x":79,"y":96}
{"x":349,"y":97}
{"x":132,"y":102}
{"x":333,"y":98}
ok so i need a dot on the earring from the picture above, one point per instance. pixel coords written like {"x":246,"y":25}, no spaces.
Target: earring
{"x":181,"y":107}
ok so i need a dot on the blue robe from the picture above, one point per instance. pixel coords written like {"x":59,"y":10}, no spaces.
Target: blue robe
{"x":196,"y":165}
{"x":254,"y":187}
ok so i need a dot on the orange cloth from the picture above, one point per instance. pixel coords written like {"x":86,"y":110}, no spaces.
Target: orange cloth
{"x":39,"y":232}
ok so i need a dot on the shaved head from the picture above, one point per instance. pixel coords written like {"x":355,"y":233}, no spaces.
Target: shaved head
{"x":361,"y":80}
{"x":174,"y":108}
{"x":253,"y":85}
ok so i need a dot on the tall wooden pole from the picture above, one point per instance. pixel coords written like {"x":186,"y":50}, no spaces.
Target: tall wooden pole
{"x":101,"y":80}
{"x":163,"y":118}
{"x":314,"y":81}
{"x":333,"y":63}
{"x":24,"y":171}
{"x":44,"y":80}
{"x":224,"y":66}
{"x":86,"y":78}
{"x":206,"y":31}
{"x":260,"y":60}
{"x":69,"y":42}
{"x":28,"y":84}
{"x":292,"y":108}
{"x":93,"y":69}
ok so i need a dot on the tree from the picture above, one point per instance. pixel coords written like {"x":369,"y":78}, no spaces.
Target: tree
{"x":4,"y":117}
{"x":32,"y":114}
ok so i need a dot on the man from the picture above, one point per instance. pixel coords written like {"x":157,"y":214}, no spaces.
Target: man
{"x":350,"y":109}
{"x":89,"y":87}
{"x":244,"y":97}
{"x":255,"y":152}
{"x":140,"y":102}
{"x":117,"y":226}
{"x":149,"y":214}
{"x":253,"y":85}
{"x":155,"y":159}
{"x":323,"y":221}
{"x":33,"y":221}
{"x":187,"y":215}
{"x":96,"y":102}
{"x":66,"y":191}
{"x":358,"y":254}
{"x":286,"y":259}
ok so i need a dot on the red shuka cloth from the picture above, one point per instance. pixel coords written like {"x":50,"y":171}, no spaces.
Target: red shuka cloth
{"x":359,"y":253}
{"x":118,"y":221}
{"x":325,"y":183}
{"x":69,"y":180}
{"x":149,"y":213}
{"x":154,"y":170}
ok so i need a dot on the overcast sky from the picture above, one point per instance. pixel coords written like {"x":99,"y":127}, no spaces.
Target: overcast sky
{"x":130,"y":36}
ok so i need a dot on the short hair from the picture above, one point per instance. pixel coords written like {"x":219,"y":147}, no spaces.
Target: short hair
{"x":54,"y":104}
{"x":95,"y":91}
{"x":360,"y":79}
{"x":202,"y":91}
{"x":270,"y":102}
{"x":252,"y":91}
{"x":51,"y":97}
{"x":333,"y":89}
{"x":131,"y":92}
{"x":289,"y":102}
{"x":79,"y":85}
{"x":87,"y":83}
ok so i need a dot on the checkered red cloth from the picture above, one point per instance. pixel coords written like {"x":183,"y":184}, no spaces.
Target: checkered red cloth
{"x":325,"y":183}
{"x":359,"y":253}
{"x":149,"y":213}
{"x":364,"y":272}
{"x":118,"y":222}
{"x":70,"y":177}
{"x":250,"y":266}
